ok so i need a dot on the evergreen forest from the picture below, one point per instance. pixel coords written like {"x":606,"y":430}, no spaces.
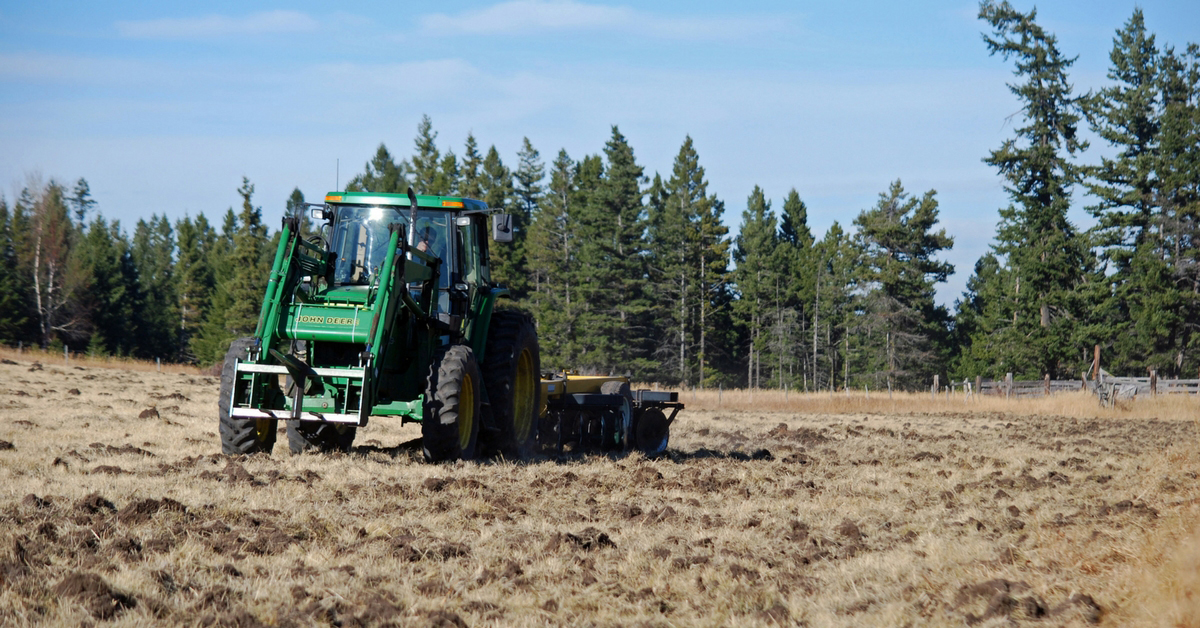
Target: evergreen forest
{"x":634,"y":272}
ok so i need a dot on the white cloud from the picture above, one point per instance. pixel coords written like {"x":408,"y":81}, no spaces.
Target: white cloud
{"x":521,"y":17}
{"x":209,"y":26}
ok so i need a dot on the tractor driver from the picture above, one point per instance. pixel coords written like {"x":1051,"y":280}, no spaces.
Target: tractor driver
{"x":428,"y":243}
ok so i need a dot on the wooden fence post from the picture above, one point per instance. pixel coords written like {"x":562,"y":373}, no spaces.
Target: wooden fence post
{"x":978,"y":384}
{"x":934,"y":391}
{"x":1047,"y":384}
{"x":1153,"y":382}
{"x":1007,"y":385}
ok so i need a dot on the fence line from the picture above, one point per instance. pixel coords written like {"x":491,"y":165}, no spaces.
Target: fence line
{"x":1122,"y":387}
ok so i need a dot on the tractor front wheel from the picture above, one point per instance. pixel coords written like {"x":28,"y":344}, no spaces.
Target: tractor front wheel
{"x":450,"y":422}
{"x":238,"y":435}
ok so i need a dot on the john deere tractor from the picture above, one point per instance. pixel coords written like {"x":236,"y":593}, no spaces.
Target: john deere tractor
{"x":390,"y":310}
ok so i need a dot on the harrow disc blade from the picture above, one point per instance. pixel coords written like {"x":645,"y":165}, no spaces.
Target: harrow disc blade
{"x":651,"y":431}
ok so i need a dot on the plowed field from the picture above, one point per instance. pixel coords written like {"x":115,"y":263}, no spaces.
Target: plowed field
{"x":117,"y":507}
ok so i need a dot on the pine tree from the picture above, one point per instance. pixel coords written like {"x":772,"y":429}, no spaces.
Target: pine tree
{"x":1178,"y":169}
{"x":836,"y":272}
{"x":113,"y":302}
{"x":671,"y":242}
{"x":716,"y":342}
{"x":13,"y":298}
{"x":381,"y":175}
{"x":795,"y":294}
{"x":448,"y":177}
{"x":295,"y":207}
{"x":153,"y":252}
{"x":507,"y":261}
{"x":81,"y":202}
{"x":1126,"y":116}
{"x":688,"y":253}
{"x":469,"y":184}
{"x":240,"y":279}
{"x":615,"y":327}
{"x":550,"y":253}
{"x":754,"y":254}
{"x":426,"y":161}
{"x":194,"y":279}
{"x":527,"y":182}
{"x":1048,"y":259}
{"x":903,"y":333}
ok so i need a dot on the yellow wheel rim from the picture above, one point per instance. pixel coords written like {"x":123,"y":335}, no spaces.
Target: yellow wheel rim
{"x":524,"y":391}
{"x":262,"y":429}
{"x":466,"y":413}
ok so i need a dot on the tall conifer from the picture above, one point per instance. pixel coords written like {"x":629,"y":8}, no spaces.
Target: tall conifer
{"x":1048,"y":260}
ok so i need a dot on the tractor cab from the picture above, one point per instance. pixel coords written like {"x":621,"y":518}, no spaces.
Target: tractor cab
{"x":359,"y":241}
{"x":450,"y":234}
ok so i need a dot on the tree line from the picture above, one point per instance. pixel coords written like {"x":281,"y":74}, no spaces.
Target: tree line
{"x":631,"y":273}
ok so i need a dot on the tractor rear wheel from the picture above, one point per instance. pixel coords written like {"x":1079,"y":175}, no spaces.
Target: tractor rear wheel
{"x":319,"y":437}
{"x":241,"y":436}
{"x":450,"y":422}
{"x":512,"y":375}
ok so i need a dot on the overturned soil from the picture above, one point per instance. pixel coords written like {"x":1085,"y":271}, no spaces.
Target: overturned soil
{"x":116,"y":506}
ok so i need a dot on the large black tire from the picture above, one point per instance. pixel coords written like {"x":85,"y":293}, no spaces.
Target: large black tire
{"x":241,"y":436}
{"x":512,"y":375}
{"x":320,"y":437}
{"x":450,"y":422}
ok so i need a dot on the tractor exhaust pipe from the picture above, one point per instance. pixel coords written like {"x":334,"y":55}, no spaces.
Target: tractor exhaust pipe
{"x":412,"y":220}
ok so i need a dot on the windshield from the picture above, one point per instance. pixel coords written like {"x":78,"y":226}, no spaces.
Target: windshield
{"x":361,"y":239}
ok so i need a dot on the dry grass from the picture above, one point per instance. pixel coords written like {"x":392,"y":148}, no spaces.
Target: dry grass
{"x":846,"y":516}
{"x":33,"y":354}
{"x":1078,"y":405}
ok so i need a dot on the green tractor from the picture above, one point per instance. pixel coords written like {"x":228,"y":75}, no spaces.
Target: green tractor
{"x":388,"y":310}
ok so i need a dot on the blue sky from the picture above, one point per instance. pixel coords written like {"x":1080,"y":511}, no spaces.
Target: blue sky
{"x":164,"y":106}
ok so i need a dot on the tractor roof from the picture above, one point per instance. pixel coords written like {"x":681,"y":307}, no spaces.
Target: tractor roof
{"x":449,"y":203}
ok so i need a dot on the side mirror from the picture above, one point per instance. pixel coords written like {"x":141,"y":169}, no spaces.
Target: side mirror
{"x":502,"y":227}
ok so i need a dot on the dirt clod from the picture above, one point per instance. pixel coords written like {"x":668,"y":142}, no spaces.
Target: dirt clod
{"x":590,"y":539}
{"x":33,"y":501}
{"x":94,"y":503}
{"x":140,"y":511}
{"x":437,"y":484}
{"x":443,"y":619}
{"x":850,"y":530}
{"x":108,"y":470}
{"x":100,"y":599}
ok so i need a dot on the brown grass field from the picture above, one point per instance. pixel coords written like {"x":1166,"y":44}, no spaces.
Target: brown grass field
{"x":768,"y":510}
